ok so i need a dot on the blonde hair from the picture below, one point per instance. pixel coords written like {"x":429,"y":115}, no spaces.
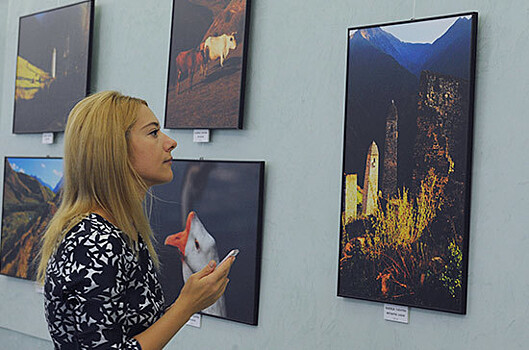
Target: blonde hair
{"x":98,"y":172}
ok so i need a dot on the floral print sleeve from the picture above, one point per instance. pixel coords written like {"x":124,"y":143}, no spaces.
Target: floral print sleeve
{"x":99,"y":293}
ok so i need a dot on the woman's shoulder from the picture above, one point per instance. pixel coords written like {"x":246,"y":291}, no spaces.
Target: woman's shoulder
{"x":94,"y":230}
{"x":93,"y":243}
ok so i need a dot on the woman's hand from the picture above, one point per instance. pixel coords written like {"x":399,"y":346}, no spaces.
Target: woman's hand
{"x":205,"y":287}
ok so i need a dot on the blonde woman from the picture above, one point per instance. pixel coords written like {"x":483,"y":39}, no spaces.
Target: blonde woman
{"x":97,"y":260}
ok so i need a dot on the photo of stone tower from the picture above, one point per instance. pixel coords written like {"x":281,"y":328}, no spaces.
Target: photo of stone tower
{"x":409,"y":104}
{"x":53,"y":66}
{"x":389,"y":173}
{"x":369,"y":202}
{"x":351,"y":194}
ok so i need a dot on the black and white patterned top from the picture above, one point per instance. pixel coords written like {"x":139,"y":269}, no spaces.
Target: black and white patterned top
{"x":98,"y":292}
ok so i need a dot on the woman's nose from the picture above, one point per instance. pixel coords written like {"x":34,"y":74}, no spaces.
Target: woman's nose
{"x":171,"y":144}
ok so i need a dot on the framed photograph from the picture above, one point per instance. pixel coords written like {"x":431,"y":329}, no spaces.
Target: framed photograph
{"x":207,"y":64}
{"x":407,"y":162}
{"x":31,"y":198}
{"x":210,"y":208}
{"x":53,"y":67}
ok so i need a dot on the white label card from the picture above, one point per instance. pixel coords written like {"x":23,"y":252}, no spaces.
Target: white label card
{"x":396,"y":313}
{"x":195,"y":321}
{"x":47,"y":138}
{"x":201,"y":135}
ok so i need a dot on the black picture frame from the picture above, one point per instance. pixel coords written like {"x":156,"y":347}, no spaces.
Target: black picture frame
{"x":407,"y":159}
{"x":206,"y":71}
{"x":30,"y":199}
{"x":227,"y":197}
{"x":53,"y":66}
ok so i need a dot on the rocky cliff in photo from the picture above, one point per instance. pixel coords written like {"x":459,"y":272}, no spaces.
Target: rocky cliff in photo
{"x":28,"y":206}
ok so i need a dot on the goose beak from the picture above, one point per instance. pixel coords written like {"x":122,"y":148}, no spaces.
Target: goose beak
{"x":179,"y":240}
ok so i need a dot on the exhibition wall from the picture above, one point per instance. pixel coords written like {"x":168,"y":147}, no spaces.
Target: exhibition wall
{"x":293,"y":120}
{"x":3,"y":22}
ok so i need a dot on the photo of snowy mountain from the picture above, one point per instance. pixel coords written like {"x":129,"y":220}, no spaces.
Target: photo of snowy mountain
{"x":406,"y":165}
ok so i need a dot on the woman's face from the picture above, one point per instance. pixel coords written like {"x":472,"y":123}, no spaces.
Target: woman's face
{"x":151,"y":149}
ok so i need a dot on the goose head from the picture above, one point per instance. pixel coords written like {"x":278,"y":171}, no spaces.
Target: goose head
{"x":195,"y":245}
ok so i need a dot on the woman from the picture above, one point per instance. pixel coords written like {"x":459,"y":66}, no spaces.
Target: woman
{"x":97,"y":260}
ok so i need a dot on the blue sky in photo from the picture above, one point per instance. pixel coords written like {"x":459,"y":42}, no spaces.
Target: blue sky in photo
{"x":421,"y":32}
{"x":46,"y":169}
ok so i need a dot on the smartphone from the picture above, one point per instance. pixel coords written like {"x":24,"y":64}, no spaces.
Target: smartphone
{"x":234,"y":252}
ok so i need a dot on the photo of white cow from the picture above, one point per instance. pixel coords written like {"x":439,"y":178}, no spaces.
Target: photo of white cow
{"x":207,"y":63}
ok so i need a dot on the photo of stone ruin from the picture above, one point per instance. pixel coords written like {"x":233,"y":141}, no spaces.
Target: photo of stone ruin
{"x":406,"y":169}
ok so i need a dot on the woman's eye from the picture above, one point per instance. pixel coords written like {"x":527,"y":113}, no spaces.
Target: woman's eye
{"x":154,"y":132}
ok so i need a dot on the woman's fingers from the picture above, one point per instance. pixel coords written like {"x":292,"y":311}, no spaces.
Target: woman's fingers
{"x":206,"y":286}
{"x":224,"y":269}
{"x":209,"y":268}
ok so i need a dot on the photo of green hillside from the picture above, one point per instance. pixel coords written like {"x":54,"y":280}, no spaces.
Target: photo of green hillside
{"x":31,"y":196}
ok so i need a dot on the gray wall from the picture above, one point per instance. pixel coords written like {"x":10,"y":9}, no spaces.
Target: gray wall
{"x":294,"y":120}
{"x":4,"y":5}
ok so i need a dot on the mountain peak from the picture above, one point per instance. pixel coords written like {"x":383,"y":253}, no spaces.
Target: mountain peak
{"x":376,"y":33}
{"x":418,"y":56}
{"x":365,"y":34}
